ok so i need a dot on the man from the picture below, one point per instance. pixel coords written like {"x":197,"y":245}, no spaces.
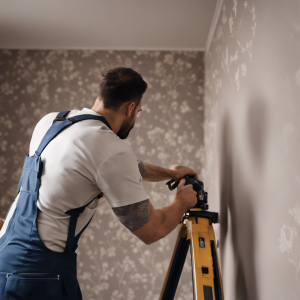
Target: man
{"x":75,"y":158}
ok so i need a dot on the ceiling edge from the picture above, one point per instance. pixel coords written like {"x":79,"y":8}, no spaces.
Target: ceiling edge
{"x":201,"y":49}
{"x":213,"y":24}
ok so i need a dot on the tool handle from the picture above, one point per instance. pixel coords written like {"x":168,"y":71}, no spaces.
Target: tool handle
{"x":198,"y":186}
{"x":172,"y":185}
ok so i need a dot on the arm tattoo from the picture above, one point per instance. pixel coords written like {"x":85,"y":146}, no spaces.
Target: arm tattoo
{"x":142,"y":167}
{"x":134,"y":216}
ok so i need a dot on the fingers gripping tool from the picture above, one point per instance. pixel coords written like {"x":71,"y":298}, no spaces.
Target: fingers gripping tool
{"x":198,"y":186}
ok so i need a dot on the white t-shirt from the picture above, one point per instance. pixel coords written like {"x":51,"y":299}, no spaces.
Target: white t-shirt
{"x":83,"y":160}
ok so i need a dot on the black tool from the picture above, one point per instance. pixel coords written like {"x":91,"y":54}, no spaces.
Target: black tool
{"x":198,"y":186}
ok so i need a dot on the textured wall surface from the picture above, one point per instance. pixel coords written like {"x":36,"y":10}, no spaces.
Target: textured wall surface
{"x":112,"y":263}
{"x":252,"y":139}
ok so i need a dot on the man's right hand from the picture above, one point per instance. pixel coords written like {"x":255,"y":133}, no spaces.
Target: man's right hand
{"x":186,"y":194}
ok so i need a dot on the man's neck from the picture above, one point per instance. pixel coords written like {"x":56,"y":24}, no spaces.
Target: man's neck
{"x":111,"y":116}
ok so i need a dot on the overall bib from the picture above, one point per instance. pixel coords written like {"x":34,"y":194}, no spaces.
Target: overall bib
{"x":28,"y":269}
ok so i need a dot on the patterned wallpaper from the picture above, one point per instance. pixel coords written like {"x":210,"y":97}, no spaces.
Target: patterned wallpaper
{"x":252,"y":143}
{"x":112,"y":263}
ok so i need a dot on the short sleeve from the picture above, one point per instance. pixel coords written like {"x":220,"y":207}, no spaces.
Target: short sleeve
{"x":120,"y":180}
{"x":142,"y":167}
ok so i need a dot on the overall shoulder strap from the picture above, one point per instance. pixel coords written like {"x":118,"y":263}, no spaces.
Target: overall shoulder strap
{"x":72,"y":240}
{"x":89,"y":117}
{"x":61,"y":115}
{"x":61,"y":122}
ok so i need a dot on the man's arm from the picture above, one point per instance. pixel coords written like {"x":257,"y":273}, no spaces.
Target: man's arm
{"x":154,"y":173}
{"x":150,"y":224}
{"x":1,"y":223}
{"x":133,"y":216}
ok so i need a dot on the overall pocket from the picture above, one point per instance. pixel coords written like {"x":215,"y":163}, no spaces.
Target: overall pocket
{"x":33,"y":286}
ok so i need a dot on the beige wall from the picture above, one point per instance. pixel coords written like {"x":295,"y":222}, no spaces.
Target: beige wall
{"x":112,"y":263}
{"x":252,"y":139}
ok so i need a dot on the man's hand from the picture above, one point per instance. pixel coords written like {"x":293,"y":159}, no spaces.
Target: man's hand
{"x":176,"y":172}
{"x":186,"y":195}
{"x":181,"y":171}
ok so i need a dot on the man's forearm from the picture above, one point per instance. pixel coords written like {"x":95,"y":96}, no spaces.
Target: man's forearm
{"x":155,"y":173}
{"x":172,"y":217}
{"x":164,"y":220}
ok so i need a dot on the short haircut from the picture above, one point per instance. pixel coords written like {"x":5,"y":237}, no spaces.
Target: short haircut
{"x":121,"y":85}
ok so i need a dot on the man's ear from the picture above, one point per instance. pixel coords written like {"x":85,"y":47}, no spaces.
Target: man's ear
{"x":129,"y":108}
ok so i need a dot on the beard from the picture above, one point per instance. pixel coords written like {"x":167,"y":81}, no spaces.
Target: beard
{"x":125,"y":129}
{"x":123,"y":134}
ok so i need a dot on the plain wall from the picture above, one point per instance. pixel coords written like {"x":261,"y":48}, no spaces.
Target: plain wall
{"x":252,"y":138}
{"x":112,"y":263}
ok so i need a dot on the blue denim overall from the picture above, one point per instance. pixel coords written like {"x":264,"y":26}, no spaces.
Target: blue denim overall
{"x":28,"y":269}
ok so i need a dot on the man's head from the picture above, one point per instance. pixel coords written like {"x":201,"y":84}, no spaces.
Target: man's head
{"x":123,"y":87}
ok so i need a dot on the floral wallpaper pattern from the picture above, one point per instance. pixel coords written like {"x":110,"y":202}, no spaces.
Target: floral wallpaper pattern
{"x":229,"y":55}
{"x":290,"y":242}
{"x":252,"y":142}
{"x":112,"y":263}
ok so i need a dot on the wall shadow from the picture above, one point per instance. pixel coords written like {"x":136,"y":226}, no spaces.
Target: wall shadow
{"x":256,"y":129}
{"x":238,"y":200}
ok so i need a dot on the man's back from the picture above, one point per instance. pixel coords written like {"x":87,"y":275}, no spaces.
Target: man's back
{"x":79,"y":163}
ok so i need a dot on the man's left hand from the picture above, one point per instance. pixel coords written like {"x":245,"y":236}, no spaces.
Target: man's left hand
{"x":181,"y":171}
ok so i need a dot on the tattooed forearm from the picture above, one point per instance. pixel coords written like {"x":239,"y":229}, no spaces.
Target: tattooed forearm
{"x":142,"y":167}
{"x":134,"y":216}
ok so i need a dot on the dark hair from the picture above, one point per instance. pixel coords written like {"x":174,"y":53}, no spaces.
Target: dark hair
{"x":121,"y":85}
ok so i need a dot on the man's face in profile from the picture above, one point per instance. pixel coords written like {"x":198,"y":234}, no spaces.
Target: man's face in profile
{"x":129,"y":123}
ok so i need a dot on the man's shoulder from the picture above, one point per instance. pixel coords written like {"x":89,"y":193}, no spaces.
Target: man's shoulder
{"x":51,"y":116}
{"x":117,"y":146}
{"x":48,"y":116}
{"x":90,"y":132}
